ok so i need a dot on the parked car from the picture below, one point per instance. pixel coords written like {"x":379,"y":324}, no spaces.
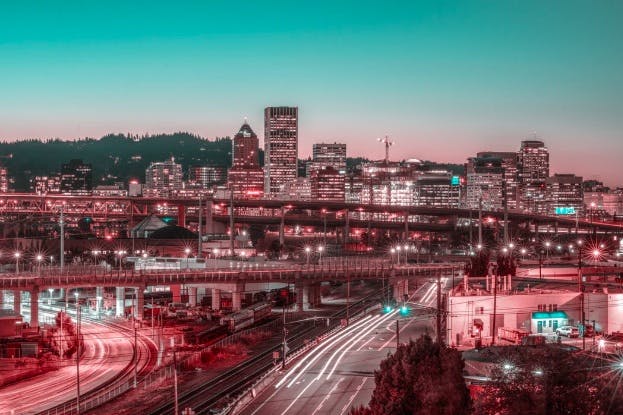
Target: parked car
{"x":568,"y":331}
{"x":612,"y":343}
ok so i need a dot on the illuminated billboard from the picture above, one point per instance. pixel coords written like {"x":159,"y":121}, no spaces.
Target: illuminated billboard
{"x":564,"y":210}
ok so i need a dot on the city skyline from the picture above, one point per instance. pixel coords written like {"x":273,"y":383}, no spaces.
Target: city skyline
{"x":474,"y":76}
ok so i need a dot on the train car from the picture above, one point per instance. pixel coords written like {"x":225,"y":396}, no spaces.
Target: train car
{"x":247,"y":317}
{"x":209,"y":336}
{"x":166,"y":263}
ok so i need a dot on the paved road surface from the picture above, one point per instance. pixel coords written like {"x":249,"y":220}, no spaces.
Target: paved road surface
{"x":339,"y":373}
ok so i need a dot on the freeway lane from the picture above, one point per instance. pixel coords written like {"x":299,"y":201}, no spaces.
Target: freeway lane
{"x":108,"y":355}
{"x":339,"y":373}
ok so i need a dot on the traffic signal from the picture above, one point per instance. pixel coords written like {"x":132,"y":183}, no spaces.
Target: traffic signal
{"x":404,"y":310}
{"x":387,"y":308}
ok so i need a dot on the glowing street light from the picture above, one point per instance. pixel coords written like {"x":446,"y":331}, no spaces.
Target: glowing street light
{"x":307,"y":252}
{"x":187,"y":253}
{"x":39,"y":258}
{"x":17,"y":255}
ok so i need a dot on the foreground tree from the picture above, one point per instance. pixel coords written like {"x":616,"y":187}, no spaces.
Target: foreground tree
{"x":422,"y":378}
{"x":551,"y":380}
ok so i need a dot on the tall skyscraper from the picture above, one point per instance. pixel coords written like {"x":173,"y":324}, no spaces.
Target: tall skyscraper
{"x":280,"y":147}
{"x":327,"y":184}
{"x":76,"y":178}
{"x":565,"y":195}
{"x":511,"y":179}
{"x":533,"y":171}
{"x":246,"y":177}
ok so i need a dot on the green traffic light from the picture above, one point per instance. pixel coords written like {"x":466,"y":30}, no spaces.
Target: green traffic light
{"x":404,"y":309}
{"x":388,"y":308}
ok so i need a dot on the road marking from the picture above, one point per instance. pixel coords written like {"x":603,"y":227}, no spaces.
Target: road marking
{"x":326,"y":398}
{"x":265,"y":401}
{"x":352,"y":398}
{"x":361,"y":347}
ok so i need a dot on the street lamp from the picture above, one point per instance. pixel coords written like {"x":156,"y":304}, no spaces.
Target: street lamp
{"x":547,"y":245}
{"x":17,"y":255}
{"x":187,"y":252}
{"x":50,"y":290}
{"x":307,"y":252}
{"x":39,"y":258}
{"x":392,"y":251}
{"x":406,"y":248}
{"x":398,"y":254}
{"x":320,"y":249}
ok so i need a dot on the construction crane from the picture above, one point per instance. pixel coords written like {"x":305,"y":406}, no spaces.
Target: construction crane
{"x":388,"y":144}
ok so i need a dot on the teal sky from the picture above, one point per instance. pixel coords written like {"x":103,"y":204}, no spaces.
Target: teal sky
{"x":443,"y":79}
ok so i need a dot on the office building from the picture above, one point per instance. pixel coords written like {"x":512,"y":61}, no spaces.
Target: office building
{"x":4,"y":180}
{"x":327,"y":183}
{"x":43,"y":185}
{"x":280,"y":148}
{"x":327,"y":155}
{"x":437,"y":189}
{"x":565,"y":195}
{"x":511,"y":179}
{"x":204,"y":177}
{"x":484,"y":183}
{"x":532,"y":171}
{"x":162,"y":178}
{"x":76,"y":178}
{"x":246,"y":177}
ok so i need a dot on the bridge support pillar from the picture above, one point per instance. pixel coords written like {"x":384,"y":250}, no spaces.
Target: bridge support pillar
{"x":282,"y":227}
{"x":99,"y":297}
{"x":216,"y":299}
{"x":209,"y":218}
{"x":192,"y":296}
{"x":139,"y":307}
{"x":176,"y":293}
{"x":401,"y":287}
{"x":236,"y":297}
{"x":119,"y":301}
{"x":346,"y":227}
{"x":181,"y":215}
{"x":34,"y":307}
{"x":17,"y":301}
{"x":1,"y":299}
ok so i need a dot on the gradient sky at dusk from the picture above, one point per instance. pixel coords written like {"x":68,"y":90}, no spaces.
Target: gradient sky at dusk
{"x":443,"y":79}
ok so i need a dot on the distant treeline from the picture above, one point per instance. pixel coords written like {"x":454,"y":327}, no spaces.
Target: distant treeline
{"x":121,"y":157}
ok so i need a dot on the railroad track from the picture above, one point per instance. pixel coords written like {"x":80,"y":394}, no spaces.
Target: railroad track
{"x":204,"y":398}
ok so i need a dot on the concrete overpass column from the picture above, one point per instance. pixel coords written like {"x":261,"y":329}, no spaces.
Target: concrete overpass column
{"x":119,"y":301}
{"x":181,"y":215}
{"x":99,"y":297}
{"x":282,"y":227}
{"x":192,"y":296}
{"x":398,"y":291}
{"x":140,"y":303}
{"x":300,"y":295}
{"x":17,"y":301}
{"x":308,"y":296}
{"x":34,"y":307}
{"x":176,"y":293}
{"x":346,"y":226}
{"x":216,"y":299}
{"x":236,"y":297}
{"x":406,"y":217}
{"x":1,"y":299}
{"x":209,"y":218}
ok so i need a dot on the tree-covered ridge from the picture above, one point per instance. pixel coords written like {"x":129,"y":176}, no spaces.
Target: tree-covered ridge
{"x":115,"y":157}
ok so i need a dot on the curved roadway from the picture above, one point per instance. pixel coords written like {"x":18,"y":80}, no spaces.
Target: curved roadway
{"x":108,"y":355}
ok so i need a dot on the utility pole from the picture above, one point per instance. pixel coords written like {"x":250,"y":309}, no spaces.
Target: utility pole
{"x":135,"y":355}
{"x":398,"y":334}
{"x":231,"y":223}
{"x":347,"y":295}
{"x":480,"y":221}
{"x":62,"y":253}
{"x":439,"y":307}
{"x":175,"y":397}
{"x":199,"y":240}
{"x":581,"y":291}
{"x":285,"y":332}
{"x":505,"y":201}
{"x":495,"y":298}
{"x":77,"y":357}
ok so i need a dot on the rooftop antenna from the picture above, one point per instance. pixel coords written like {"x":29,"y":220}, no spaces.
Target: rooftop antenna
{"x":388,"y":144}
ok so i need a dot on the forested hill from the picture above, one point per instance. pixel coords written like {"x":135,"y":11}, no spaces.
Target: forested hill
{"x":114,"y":157}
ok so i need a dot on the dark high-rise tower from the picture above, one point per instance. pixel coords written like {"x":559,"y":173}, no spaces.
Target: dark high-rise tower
{"x":245,"y":149}
{"x":246,"y":178}
{"x":533,"y":171}
{"x":76,"y":178}
{"x":280,"y":147}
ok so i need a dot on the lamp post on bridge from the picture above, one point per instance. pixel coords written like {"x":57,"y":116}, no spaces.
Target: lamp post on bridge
{"x":17,"y":255}
{"x":39,"y":258}
{"x":307,"y":252}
